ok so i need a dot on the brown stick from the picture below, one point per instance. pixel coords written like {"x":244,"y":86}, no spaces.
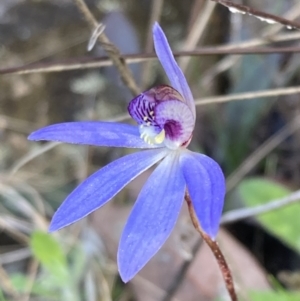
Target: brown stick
{"x":216,"y":251}
{"x":111,"y":50}
{"x":259,"y":14}
{"x":103,"y":61}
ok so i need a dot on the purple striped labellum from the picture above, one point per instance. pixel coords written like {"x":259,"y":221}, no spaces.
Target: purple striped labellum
{"x":163,"y":117}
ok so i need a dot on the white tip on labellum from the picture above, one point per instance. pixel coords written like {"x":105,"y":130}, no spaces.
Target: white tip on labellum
{"x":95,"y":34}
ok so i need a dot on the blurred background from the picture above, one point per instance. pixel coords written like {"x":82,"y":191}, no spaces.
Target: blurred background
{"x":255,"y":140}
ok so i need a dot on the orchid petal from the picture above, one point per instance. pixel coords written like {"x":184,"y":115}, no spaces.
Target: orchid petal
{"x":174,"y":73}
{"x":103,"y":185}
{"x":93,"y":133}
{"x":206,"y":186}
{"x":152,"y":218}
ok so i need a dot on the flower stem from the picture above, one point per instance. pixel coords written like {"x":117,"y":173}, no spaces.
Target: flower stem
{"x":216,"y":251}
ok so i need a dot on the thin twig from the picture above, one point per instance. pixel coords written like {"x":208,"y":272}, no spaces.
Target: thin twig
{"x":50,"y":145}
{"x":7,"y":285}
{"x":30,"y":156}
{"x":14,"y":233}
{"x":157,"y":6}
{"x":228,"y":98}
{"x":248,"y":95}
{"x":111,"y":50}
{"x":153,"y":290}
{"x":291,"y":14}
{"x":32,"y":273}
{"x":268,"y":34}
{"x":239,"y":214}
{"x":226,"y":273}
{"x":16,"y":124}
{"x":15,"y":255}
{"x":179,"y":277}
{"x":104,"y":61}
{"x":196,"y":32}
{"x":270,"y":18}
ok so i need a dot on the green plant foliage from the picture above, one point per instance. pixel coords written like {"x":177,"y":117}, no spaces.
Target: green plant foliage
{"x":284,"y":222}
{"x":2,"y":296}
{"x":49,"y":252}
{"x":43,"y":288}
{"x":59,"y":277}
{"x":275,"y":296}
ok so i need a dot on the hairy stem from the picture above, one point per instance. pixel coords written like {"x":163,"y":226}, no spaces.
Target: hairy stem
{"x":226,"y":273}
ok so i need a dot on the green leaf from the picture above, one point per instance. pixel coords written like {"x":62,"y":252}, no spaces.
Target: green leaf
{"x":78,"y":262}
{"x":49,"y":252}
{"x":274,"y":296}
{"x":19,"y":281}
{"x":40,"y":288}
{"x":284,"y":222}
{"x":2,"y":298}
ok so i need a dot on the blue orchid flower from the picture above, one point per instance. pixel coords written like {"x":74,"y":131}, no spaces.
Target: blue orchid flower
{"x":166,"y":119}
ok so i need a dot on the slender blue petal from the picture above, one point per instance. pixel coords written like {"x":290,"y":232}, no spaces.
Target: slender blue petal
{"x":101,"y":186}
{"x":152,"y":218}
{"x":174,"y":73}
{"x":206,"y":186}
{"x":93,"y":133}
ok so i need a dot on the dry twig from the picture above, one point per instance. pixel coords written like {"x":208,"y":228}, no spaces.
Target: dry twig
{"x":269,"y":18}
{"x":239,"y":214}
{"x":103,"y":61}
{"x":112,"y":51}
